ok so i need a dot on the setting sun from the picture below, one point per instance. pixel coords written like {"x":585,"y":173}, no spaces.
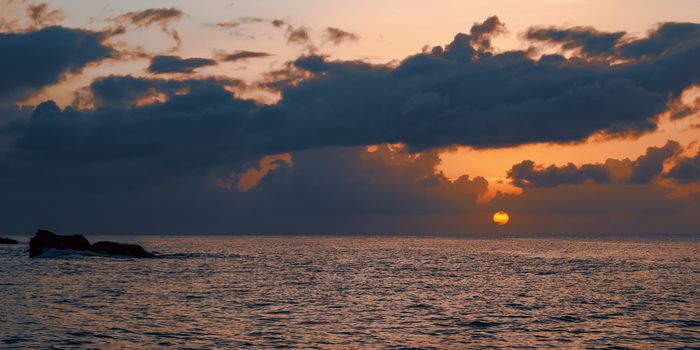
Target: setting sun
{"x":501,"y":218}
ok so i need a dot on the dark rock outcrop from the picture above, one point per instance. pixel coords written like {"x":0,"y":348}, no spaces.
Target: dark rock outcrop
{"x":7,"y":241}
{"x":113,"y":248}
{"x":44,"y":239}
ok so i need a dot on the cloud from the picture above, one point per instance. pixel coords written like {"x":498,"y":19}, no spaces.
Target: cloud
{"x":686,"y":170}
{"x":338,"y":36}
{"x":251,"y":20}
{"x":640,"y":171}
{"x":467,"y":47}
{"x":278,"y":23}
{"x":481,"y":33}
{"x":175,"y":64}
{"x":40,"y":16}
{"x":170,"y":141}
{"x":227,"y":25}
{"x":126,"y":91}
{"x":241,"y":55}
{"x":456,"y":95}
{"x":35,"y":59}
{"x":526,"y":174}
{"x":353,"y":182}
{"x":161,"y":17}
{"x":298,"y":35}
{"x":347,"y":190}
{"x":294,"y":35}
{"x":589,"y":41}
{"x":322,"y":191}
{"x":237,"y":23}
{"x":148,"y":17}
{"x":667,"y":39}
{"x":650,"y":165}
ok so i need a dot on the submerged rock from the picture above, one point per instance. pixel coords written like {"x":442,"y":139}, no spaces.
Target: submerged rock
{"x":7,"y":241}
{"x":44,"y":240}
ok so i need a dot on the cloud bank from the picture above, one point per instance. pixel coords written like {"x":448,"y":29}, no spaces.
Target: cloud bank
{"x":174,"y":147}
{"x":640,"y":171}
{"x":43,"y":57}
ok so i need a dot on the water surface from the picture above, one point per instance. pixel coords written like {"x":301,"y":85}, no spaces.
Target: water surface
{"x":338,"y":292}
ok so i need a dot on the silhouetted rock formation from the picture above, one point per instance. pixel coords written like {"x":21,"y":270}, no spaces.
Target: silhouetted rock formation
{"x":44,"y":239}
{"x":113,"y":248}
{"x":7,"y":241}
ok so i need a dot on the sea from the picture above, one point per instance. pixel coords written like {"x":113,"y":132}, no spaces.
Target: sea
{"x":364,"y":292}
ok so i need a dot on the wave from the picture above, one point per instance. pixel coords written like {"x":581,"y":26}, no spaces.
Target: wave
{"x":59,"y":253}
{"x":183,"y":256}
{"x":66,"y":253}
{"x":51,"y":253}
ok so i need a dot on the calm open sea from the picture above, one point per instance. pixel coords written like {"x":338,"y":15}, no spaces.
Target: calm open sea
{"x":338,"y":292}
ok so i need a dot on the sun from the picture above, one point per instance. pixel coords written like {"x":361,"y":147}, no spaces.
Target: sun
{"x":501,"y":218}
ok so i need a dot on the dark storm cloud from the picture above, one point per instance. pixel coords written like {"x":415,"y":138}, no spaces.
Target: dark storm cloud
{"x":590,"y":41}
{"x":339,"y":36}
{"x":462,"y":94}
{"x":526,"y":174}
{"x":124,"y":91}
{"x":351,"y":182}
{"x":640,"y":171}
{"x":667,"y":39}
{"x":650,"y":165}
{"x":481,"y":33}
{"x":148,"y":157}
{"x":34,"y":59}
{"x":469,"y":47}
{"x":242,"y":55}
{"x":189,"y":132}
{"x":175,"y":64}
{"x":332,"y":190}
{"x":11,"y":113}
{"x":158,"y":132}
{"x":686,"y":170}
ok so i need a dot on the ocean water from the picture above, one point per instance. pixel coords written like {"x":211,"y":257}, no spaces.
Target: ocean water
{"x":360,"y":292}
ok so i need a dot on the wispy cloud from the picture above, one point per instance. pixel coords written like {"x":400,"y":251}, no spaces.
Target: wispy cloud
{"x":339,"y":36}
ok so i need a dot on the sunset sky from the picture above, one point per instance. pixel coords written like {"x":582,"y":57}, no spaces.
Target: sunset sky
{"x":353,"y":117}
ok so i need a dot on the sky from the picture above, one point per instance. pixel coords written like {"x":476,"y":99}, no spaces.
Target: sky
{"x":364,"y":117}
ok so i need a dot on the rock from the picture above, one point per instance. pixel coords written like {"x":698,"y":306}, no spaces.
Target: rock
{"x":44,"y":239}
{"x":7,"y":241}
{"x":113,"y":248}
